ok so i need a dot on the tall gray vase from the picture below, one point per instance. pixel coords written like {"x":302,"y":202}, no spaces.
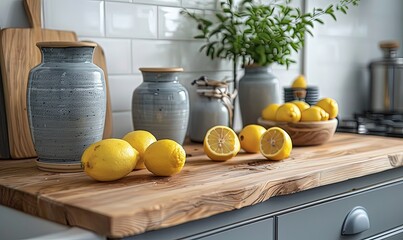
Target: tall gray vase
{"x":160,"y":104}
{"x":66,"y":103}
{"x":257,"y":88}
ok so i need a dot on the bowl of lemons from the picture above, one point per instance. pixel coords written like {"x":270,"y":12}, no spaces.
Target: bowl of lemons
{"x":306,"y":124}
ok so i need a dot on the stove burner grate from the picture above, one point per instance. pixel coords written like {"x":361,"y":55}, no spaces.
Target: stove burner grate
{"x":381,"y":124}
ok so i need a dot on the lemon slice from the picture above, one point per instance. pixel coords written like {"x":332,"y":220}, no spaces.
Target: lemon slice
{"x":275,"y":144}
{"x":221,"y":143}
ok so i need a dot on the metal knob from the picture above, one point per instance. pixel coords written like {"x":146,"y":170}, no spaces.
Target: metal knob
{"x":356,"y":221}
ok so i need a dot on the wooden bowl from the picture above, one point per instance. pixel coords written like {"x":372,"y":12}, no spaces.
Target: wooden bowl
{"x":305,"y":133}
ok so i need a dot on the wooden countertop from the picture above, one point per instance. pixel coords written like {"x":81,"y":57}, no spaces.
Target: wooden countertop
{"x":141,"y":202}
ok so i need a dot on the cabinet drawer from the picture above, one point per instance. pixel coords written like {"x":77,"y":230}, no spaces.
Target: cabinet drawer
{"x":325,"y":221}
{"x":261,"y":230}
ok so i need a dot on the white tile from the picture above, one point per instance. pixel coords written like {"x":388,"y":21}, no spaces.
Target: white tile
{"x":173,"y":25}
{"x":12,"y":14}
{"x":131,"y":20}
{"x":156,"y":53}
{"x":200,"y":4}
{"x":118,"y":0}
{"x":117,"y":53}
{"x":121,"y":88}
{"x":86,"y":18}
{"x":160,"y":2}
{"x":121,"y":124}
{"x":164,"y":53}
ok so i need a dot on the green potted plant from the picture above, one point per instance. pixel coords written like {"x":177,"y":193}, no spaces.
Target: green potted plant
{"x":257,"y":35}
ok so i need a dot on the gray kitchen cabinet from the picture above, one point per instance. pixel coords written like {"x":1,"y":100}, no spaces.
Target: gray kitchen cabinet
{"x":325,"y":221}
{"x":261,"y":230}
{"x":318,"y":213}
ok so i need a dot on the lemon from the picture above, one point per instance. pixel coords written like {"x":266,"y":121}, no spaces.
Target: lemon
{"x":330,"y":106}
{"x":314,"y":113}
{"x":275,"y":144}
{"x":250,"y":138}
{"x":288,"y":112}
{"x":221,"y":143}
{"x":165,"y":157}
{"x":299,"y":82}
{"x":140,"y":140}
{"x":269,"y":112}
{"x":109,"y":159}
{"x":301,"y":105}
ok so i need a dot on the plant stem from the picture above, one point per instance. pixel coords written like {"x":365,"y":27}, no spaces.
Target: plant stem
{"x":234,"y":72}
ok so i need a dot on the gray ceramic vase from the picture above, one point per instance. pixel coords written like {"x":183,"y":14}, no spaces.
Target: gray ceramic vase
{"x":160,"y":104}
{"x":257,"y":88}
{"x":66,"y":101}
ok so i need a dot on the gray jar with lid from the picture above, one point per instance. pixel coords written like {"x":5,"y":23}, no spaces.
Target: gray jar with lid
{"x":66,"y":103}
{"x":160,"y":104}
{"x":386,"y":80}
{"x":211,"y":106}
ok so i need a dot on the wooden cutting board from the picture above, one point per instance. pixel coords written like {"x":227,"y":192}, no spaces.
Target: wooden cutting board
{"x":143,"y":202}
{"x":18,"y":55}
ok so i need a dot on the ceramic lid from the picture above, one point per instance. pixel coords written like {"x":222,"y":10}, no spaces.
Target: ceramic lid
{"x":61,"y":44}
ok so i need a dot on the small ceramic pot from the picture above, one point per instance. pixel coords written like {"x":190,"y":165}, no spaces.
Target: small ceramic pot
{"x":211,"y":106}
{"x":160,"y":104}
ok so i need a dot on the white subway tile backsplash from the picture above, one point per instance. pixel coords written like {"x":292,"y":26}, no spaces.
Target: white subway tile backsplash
{"x":164,"y":53}
{"x":153,"y":33}
{"x":121,"y":89}
{"x":160,"y":2}
{"x":117,"y":53}
{"x":86,"y":18}
{"x":131,"y":20}
{"x":121,"y":123}
{"x":174,"y":25}
{"x":158,"y":53}
{"x":200,"y":4}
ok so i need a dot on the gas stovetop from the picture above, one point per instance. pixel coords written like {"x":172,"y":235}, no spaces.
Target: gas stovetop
{"x":381,"y":124}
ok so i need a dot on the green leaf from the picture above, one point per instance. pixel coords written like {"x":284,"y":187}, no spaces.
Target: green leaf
{"x":221,"y":17}
{"x":319,"y":21}
{"x":199,"y":37}
{"x":333,"y":16}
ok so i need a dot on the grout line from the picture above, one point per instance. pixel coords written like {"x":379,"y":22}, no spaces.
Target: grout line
{"x":131,"y":57}
{"x":43,"y":14}
{"x":105,"y":19}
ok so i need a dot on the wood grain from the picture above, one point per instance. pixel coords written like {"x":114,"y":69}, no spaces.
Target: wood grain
{"x":142,"y":202}
{"x":4,"y":149}
{"x":18,"y":55}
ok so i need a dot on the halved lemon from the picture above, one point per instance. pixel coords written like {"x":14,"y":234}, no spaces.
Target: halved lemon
{"x":275,"y":144}
{"x":221,"y":143}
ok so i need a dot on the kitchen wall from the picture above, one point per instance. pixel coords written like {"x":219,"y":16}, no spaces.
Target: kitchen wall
{"x":337,"y":57}
{"x":152,"y":33}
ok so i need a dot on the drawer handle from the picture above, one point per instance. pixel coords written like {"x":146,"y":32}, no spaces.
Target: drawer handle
{"x":357,"y":221}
